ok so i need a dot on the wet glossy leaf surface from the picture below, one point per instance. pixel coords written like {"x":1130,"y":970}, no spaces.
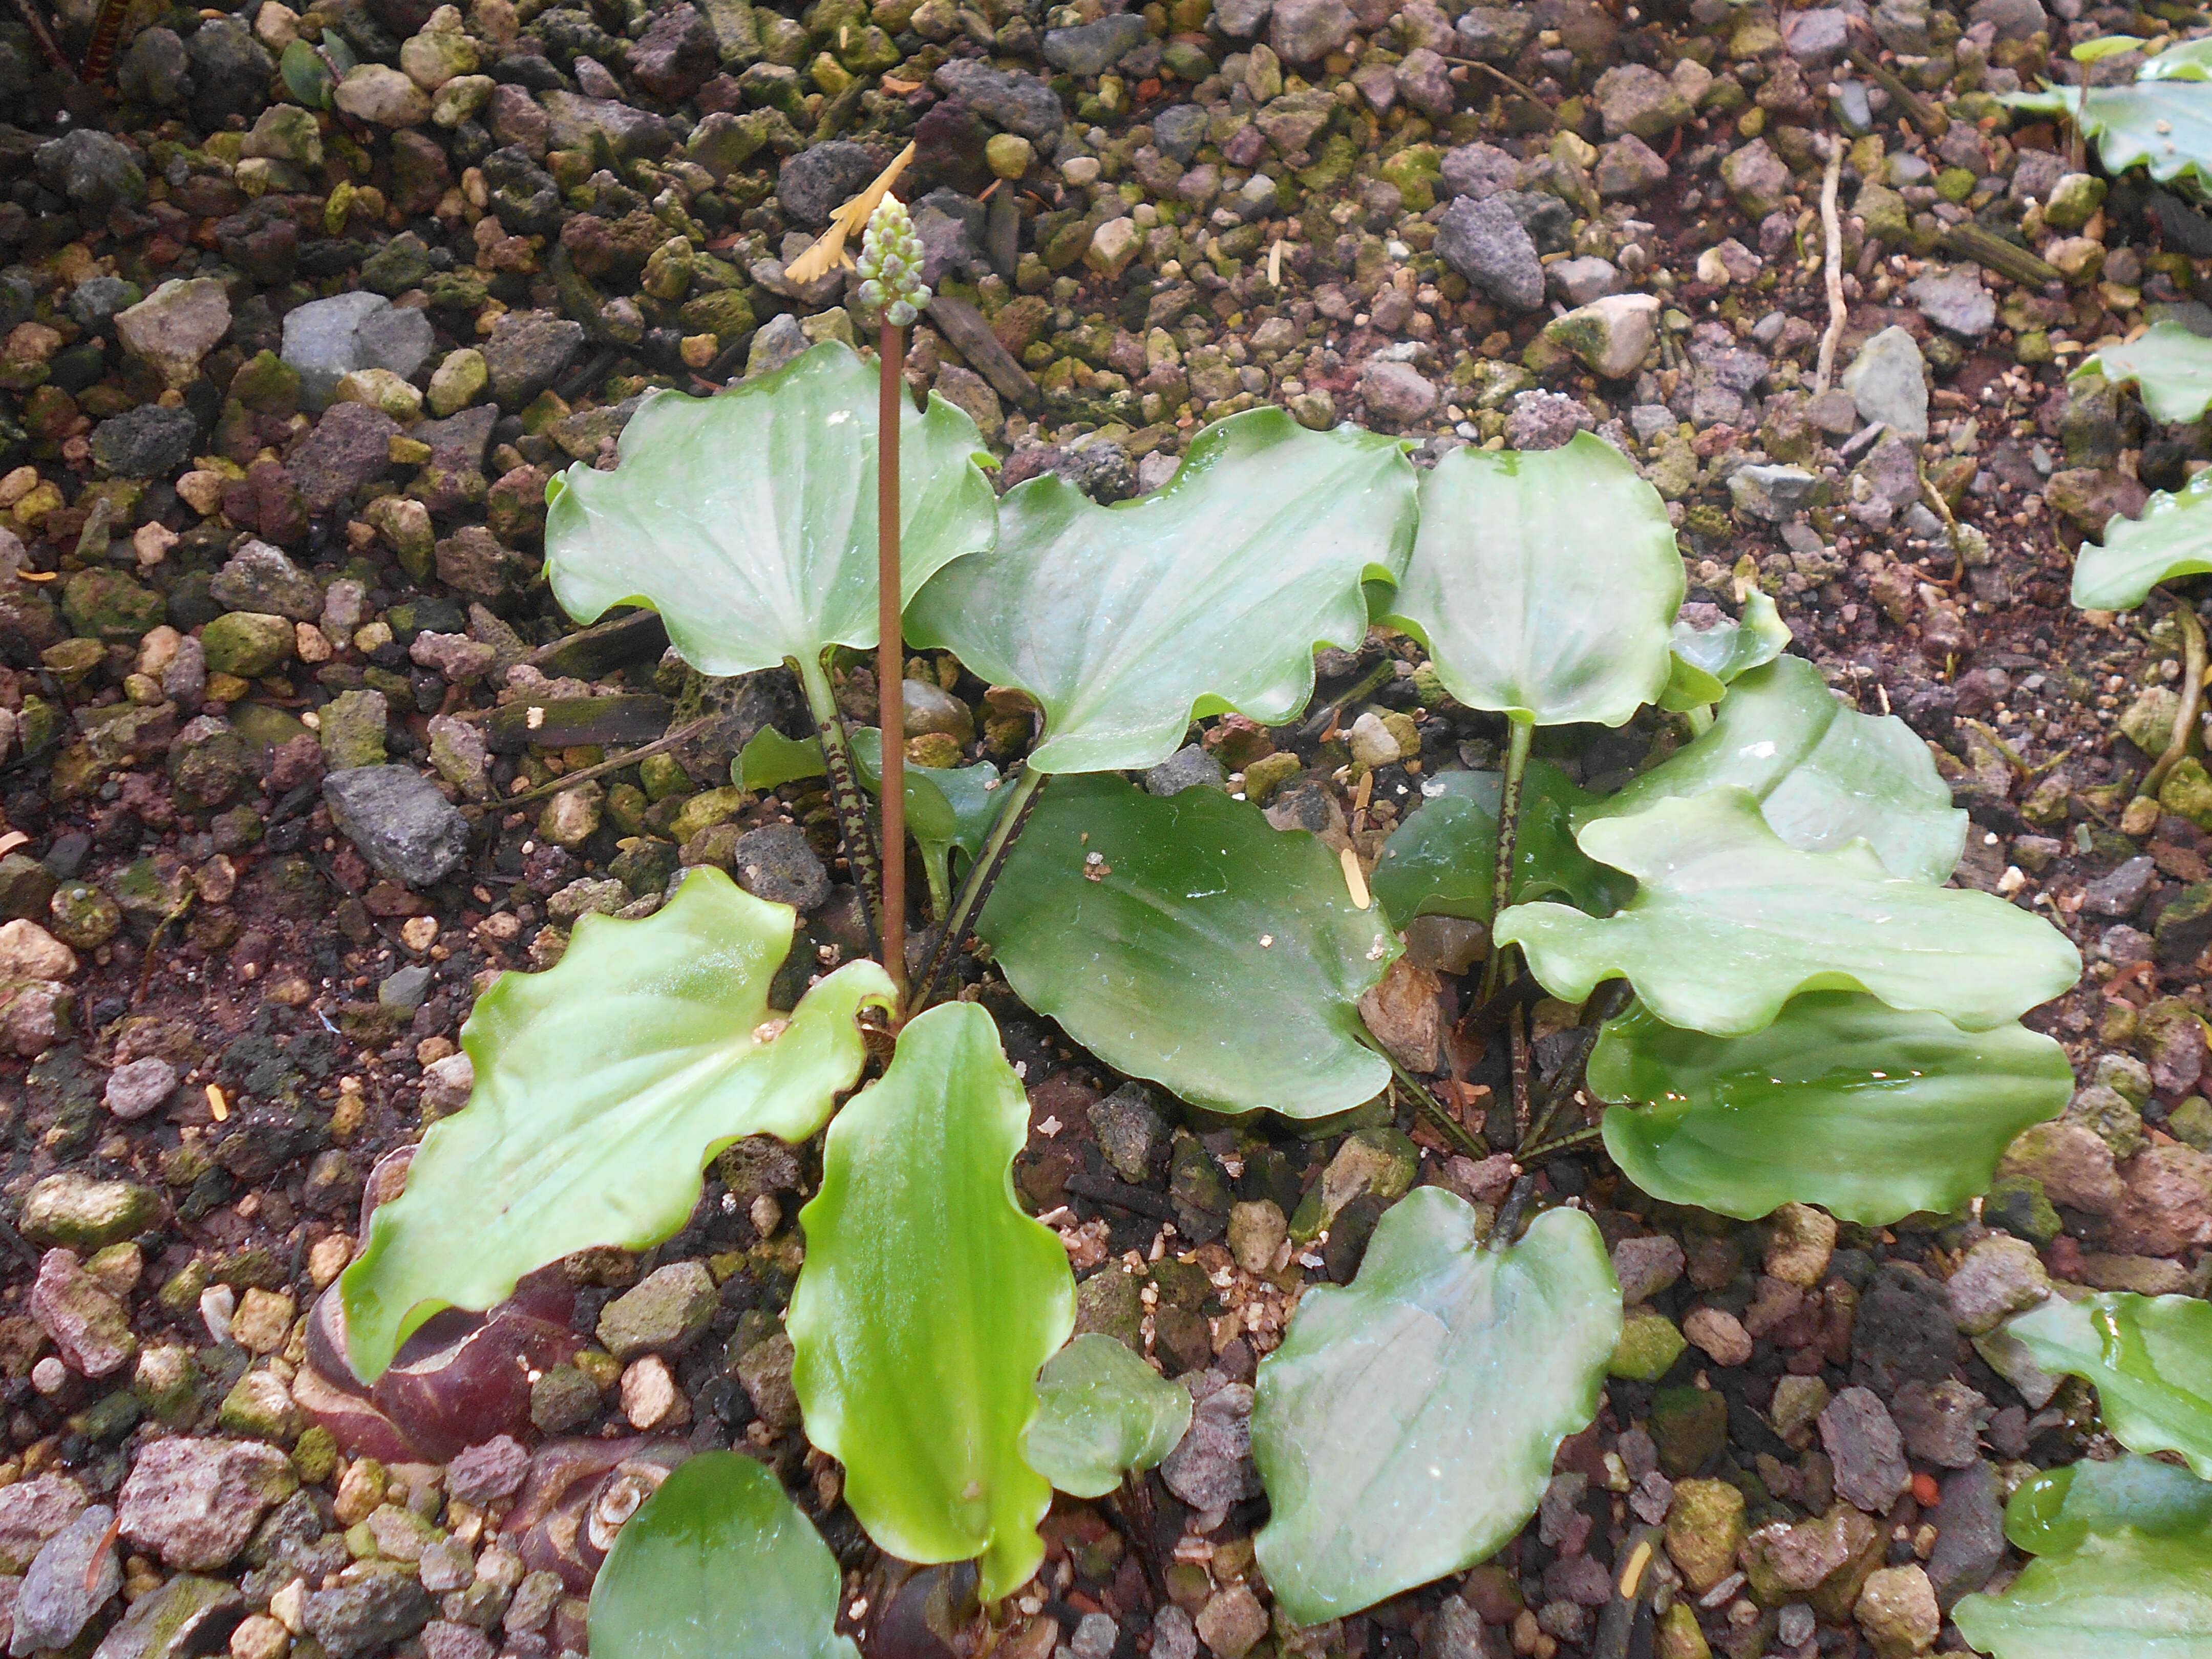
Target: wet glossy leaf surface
{"x":2056,"y":1510}
{"x":948,"y":808}
{"x":1707,"y":660}
{"x":1102,"y":1412}
{"x":1406,"y":1427}
{"x":1442,"y":860}
{"x":1730,"y":922}
{"x":2169,"y":367}
{"x":1209,"y":594}
{"x":1867,"y":1112}
{"x":2173,"y":538}
{"x":1186,"y":941}
{"x":748,"y":519}
{"x":928,"y":1302}
{"x":2150,"y":1357}
{"x":2130,"y":1595}
{"x":603,"y":1085}
{"x":1823,"y":774}
{"x":719,"y":1564}
{"x":1543,"y":582}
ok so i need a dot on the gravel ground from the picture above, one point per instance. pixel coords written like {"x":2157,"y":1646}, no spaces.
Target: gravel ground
{"x":280,"y":391}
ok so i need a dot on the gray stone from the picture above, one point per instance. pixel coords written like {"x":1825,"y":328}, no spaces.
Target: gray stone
{"x":1635,"y":98}
{"x":1090,"y":49}
{"x":148,"y":441}
{"x":1494,"y":34}
{"x":230,"y":72}
{"x":176,"y":325}
{"x":187,"y":1615}
{"x":1887,"y":381}
{"x":775,"y":344}
{"x":1212,"y":1466}
{"x":1756,"y":177}
{"x":405,"y":990}
{"x":86,"y":1321}
{"x":574,"y":121}
{"x":350,"y":446}
{"x":327,"y":339}
{"x":1818,"y":36}
{"x":1970,"y":1540}
{"x":140,"y":1087}
{"x":1646,"y":1266}
{"x":1130,"y":1131}
{"x":407,"y":831}
{"x":31,"y":1512}
{"x":1396,"y":392}
{"x":2012,"y":20}
{"x":774,"y":862}
{"x":153,"y":71}
{"x":1240,"y":20}
{"x":1545,"y":420}
{"x":1955,"y":301}
{"x":1774,"y":493}
{"x":1019,"y":103}
{"x":1188,"y":768}
{"x":1180,"y":129}
{"x":664,"y":1313}
{"x":1476,"y":170}
{"x":1868,"y":1453}
{"x":1585,"y":278}
{"x":1999,"y":1277}
{"x":196,"y":1502}
{"x":1307,"y":31}
{"x":1628,"y":167}
{"x":818,"y":181}
{"x":74,"y":1576}
{"x":527,"y":353}
{"x":359,"y":1615}
{"x":1485,"y":242}
{"x":493,"y":1469}
{"x":2121,"y":890}
{"x":1941,"y":1422}
{"x":764,"y":1373}
{"x":259,"y":577}
{"x":90,"y":167}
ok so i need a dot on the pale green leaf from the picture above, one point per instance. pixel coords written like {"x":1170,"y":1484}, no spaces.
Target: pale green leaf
{"x":602,"y":1087}
{"x":1101,"y":1413}
{"x":1442,"y":860}
{"x":2191,"y":60}
{"x":1823,"y":774}
{"x":748,"y":519}
{"x":2163,"y":123}
{"x":2173,"y":538}
{"x":1544,"y":583}
{"x":718,"y":1564}
{"x":769,"y":759}
{"x":1127,"y":622}
{"x":2150,"y":1357}
{"x":927,"y":1303}
{"x":1707,"y":660}
{"x":1186,"y":941}
{"x":2170,"y":366}
{"x":2052,"y":1512}
{"x":2130,"y":1595}
{"x":1730,"y":922}
{"x":1867,"y":1112}
{"x":948,"y":808}
{"x":1406,"y":1427}
{"x":2103,"y":47}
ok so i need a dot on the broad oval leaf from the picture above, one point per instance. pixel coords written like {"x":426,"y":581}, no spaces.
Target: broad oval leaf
{"x":1707,"y":660}
{"x":927,"y":1302}
{"x":2130,"y":1595}
{"x":2173,"y":538}
{"x":2170,"y":366}
{"x":1867,"y":1112}
{"x":1825,"y":775}
{"x":1101,"y":1413}
{"x":1442,"y":860}
{"x":1730,"y":922}
{"x":1406,"y":1427}
{"x":2054,"y":1511}
{"x":1186,"y":941}
{"x":2164,"y":124}
{"x":748,"y":519}
{"x":719,"y":1564}
{"x":1127,"y":622}
{"x":602,"y":1087}
{"x":1543,"y":582}
{"x":2150,"y":1357}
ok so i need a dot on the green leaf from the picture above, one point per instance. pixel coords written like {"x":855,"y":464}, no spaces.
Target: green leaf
{"x":2191,"y":60}
{"x":927,"y":1303}
{"x":2054,"y":1511}
{"x":2169,"y":367}
{"x":719,"y":1564}
{"x":2128,"y":1596}
{"x":948,"y":808}
{"x":307,"y":77}
{"x":1442,"y":860}
{"x":1186,"y":941}
{"x":1127,"y":622}
{"x":2103,"y":47}
{"x":1406,"y":1427}
{"x":1544,"y":583}
{"x":748,"y":519}
{"x":2163,"y":123}
{"x":1867,"y":1112}
{"x":1103,"y":1412}
{"x":769,"y":759}
{"x":2150,"y":1357}
{"x":1707,"y":660}
{"x":603,"y":1086}
{"x":2173,"y":538}
{"x":1730,"y":922}
{"x":1825,"y":775}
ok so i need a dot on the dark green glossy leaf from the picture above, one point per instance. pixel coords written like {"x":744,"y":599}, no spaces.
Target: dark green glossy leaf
{"x":771,"y":760}
{"x":1186,"y":941}
{"x":1707,"y":660}
{"x":1825,"y":775}
{"x":719,"y":1564}
{"x":1728,"y":922}
{"x":2130,"y":1595}
{"x":1442,"y":860}
{"x":1127,"y":622}
{"x":748,"y":519}
{"x":2171,"y":368}
{"x":1867,"y":1112}
{"x":2150,"y":1357}
{"x":603,"y":1086}
{"x":2054,"y":1511}
{"x":307,"y":77}
{"x":927,"y":1303}
{"x":2173,"y":538}
{"x":1406,"y":1427}
{"x":1103,"y":1412}
{"x":1543,"y":582}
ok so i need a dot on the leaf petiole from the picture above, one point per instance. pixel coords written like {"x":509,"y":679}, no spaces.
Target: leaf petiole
{"x":976,"y":887}
{"x":1522,"y":732}
{"x":844,"y":791}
